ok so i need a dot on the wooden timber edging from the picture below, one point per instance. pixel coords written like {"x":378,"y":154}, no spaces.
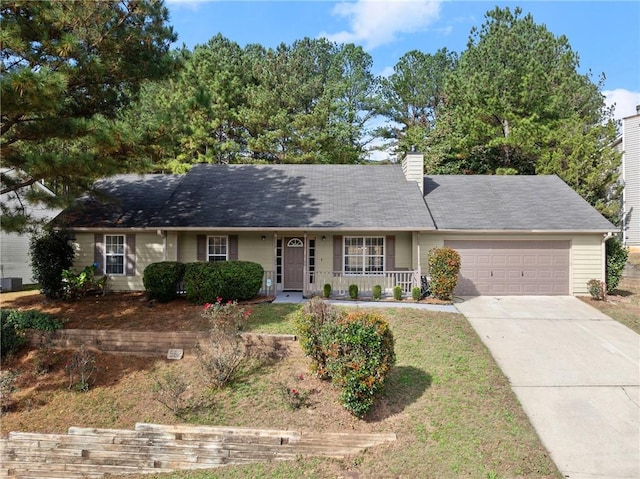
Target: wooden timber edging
{"x":143,"y":343}
{"x":155,"y":448}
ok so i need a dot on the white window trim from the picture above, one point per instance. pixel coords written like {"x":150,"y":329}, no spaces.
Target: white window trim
{"x":364,"y":256}
{"x":226,"y":254}
{"x":124,"y":255}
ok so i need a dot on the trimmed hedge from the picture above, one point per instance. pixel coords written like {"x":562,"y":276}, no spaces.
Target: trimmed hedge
{"x":228,"y":280}
{"x":161,"y":280}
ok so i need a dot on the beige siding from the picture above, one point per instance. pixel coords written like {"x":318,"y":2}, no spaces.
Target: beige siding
{"x":404,"y":253}
{"x":586,"y":260}
{"x":149,"y":249}
{"x":251,"y":247}
{"x":586,"y":253}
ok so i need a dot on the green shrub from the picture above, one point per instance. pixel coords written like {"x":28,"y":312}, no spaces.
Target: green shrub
{"x":397,"y":293}
{"x":377,"y":292}
{"x":51,"y":254}
{"x":78,"y":285}
{"x":161,"y":280}
{"x":416,"y":293}
{"x":11,"y":338}
{"x":239,"y":279}
{"x":309,"y":321}
{"x":14,"y":322}
{"x":200,"y":282}
{"x":444,"y":266}
{"x":617,"y":255}
{"x":359,"y":350}
{"x":353,"y":291}
{"x":597,"y":289}
{"x":228,"y":280}
{"x":326,"y":290}
{"x":31,"y":319}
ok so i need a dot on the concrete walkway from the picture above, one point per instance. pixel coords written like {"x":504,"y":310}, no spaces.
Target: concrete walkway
{"x":296,"y":297}
{"x":576,"y":373}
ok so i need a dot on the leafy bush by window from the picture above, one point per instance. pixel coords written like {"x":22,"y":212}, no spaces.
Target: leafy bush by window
{"x":161,"y":280}
{"x":78,"y":285}
{"x":617,"y":255}
{"x":51,"y":254}
{"x":444,"y":266}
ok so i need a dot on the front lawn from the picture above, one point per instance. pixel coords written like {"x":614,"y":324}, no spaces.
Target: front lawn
{"x":452,"y":408}
{"x":623,"y":305}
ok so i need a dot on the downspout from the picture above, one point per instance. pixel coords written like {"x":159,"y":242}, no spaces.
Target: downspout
{"x":305,"y":277}
{"x":604,"y":255}
{"x":164,"y":243}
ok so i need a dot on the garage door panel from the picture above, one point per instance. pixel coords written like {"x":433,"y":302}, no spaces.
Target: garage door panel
{"x":516,"y":267}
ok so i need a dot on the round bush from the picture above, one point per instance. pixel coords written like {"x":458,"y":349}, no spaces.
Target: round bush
{"x":239,"y":279}
{"x":359,"y":350}
{"x":353,"y":291}
{"x":377,"y":292}
{"x":397,"y":293}
{"x":161,"y":280}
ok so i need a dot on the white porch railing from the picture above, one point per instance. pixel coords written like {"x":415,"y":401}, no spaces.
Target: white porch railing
{"x":340,"y":282}
{"x":268,"y":287}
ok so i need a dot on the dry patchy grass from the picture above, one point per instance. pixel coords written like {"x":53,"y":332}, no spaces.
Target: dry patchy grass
{"x":623,"y":305}
{"x":452,"y":408}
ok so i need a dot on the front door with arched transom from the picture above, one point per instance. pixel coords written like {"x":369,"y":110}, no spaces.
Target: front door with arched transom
{"x":293,"y":263}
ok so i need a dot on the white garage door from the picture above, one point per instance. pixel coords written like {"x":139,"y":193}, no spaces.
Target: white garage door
{"x":512,"y":267}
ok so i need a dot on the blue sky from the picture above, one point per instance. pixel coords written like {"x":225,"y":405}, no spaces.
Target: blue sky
{"x":605,"y":34}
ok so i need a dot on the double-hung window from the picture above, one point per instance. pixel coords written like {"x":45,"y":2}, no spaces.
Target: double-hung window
{"x":218,"y":249}
{"x":114,"y":254}
{"x":363,"y":254}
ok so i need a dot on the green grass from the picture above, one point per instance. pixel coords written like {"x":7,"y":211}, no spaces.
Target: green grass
{"x":272,"y":318}
{"x":453,"y":410}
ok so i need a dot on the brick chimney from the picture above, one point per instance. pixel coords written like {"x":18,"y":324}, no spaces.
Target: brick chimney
{"x":413,"y":167}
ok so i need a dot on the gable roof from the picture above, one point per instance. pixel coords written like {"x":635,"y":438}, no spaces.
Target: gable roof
{"x":523,"y":203}
{"x":360,"y":197}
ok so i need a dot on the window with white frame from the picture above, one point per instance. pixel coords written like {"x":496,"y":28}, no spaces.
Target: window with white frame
{"x":114,"y":256}
{"x":218,"y":249}
{"x":363,"y":254}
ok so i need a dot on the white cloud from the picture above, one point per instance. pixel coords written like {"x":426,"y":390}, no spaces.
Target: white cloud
{"x":625,"y":101}
{"x":375,"y":22}
{"x":387,"y":72}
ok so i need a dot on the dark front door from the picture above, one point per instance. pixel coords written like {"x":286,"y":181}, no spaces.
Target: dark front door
{"x":293,"y":263}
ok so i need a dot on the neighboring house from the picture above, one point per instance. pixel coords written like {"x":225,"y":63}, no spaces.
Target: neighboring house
{"x":629,"y":146}
{"x":15,"y":260}
{"x":308,"y":225}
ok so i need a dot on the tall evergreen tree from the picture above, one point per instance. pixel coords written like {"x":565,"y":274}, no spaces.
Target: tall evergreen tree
{"x":67,"y":69}
{"x":516,"y":103}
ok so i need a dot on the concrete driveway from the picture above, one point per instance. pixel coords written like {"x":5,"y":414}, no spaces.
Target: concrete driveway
{"x":576,"y":373}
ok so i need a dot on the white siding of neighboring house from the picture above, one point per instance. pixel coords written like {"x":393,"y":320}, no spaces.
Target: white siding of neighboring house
{"x":631,"y":179}
{"x":15,"y":259}
{"x":586,"y":253}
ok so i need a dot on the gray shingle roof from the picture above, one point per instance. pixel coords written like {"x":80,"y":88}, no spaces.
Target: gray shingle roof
{"x":295,"y":196}
{"x":121,"y":201}
{"x":258,"y":196}
{"x":475,"y":202}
